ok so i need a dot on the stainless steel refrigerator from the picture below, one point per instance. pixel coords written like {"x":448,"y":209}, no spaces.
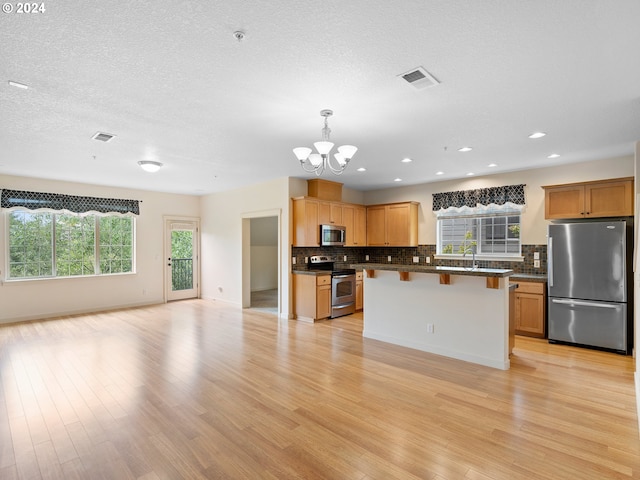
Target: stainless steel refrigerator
{"x":589,"y":284}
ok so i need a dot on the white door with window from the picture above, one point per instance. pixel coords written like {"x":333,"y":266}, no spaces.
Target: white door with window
{"x":182,"y":259}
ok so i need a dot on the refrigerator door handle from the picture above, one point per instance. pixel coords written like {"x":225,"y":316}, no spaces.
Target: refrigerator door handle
{"x":584,"y":304}
{"x":550,"y":261}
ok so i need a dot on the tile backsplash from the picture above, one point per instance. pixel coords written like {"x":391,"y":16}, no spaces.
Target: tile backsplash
{"x":404,"y":256}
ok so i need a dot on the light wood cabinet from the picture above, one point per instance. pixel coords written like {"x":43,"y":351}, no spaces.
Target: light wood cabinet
{"x":354,"y":218}
{"x":330,"y":213}
{"x":359,"y":291}
{"x":309,"y":213}
{"x":306,"y":231}
{"x":311,"y":297}
{"x":394,"y":224}
{"x":530,"y":309}
{"x":602,"y":198}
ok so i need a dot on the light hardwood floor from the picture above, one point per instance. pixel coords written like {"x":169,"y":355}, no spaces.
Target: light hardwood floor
{"x":194,"y":389}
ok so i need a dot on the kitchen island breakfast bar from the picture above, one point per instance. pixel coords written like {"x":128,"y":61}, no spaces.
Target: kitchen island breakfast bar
{"x":457,"y":312}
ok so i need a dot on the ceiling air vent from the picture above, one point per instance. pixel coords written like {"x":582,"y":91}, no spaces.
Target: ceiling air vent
{"x":103,"y":137}
{"x":419,"y":78}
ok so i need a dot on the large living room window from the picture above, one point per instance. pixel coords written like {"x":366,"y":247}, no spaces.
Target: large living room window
{"x":45,"y":245}
{"x":53,"y":235}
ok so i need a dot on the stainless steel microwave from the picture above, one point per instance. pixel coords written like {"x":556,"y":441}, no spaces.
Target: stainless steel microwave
{"x":332,"y":235}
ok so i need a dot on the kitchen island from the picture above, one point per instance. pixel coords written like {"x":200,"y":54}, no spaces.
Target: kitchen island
{"x":456,"y":312}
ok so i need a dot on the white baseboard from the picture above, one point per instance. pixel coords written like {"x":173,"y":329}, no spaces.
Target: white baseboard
{"x":83,"y":311}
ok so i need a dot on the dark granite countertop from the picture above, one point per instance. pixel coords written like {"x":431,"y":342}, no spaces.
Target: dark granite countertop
{"x":476,"y":272}
{"x":311,"y":272}
{"x":528,"y":277}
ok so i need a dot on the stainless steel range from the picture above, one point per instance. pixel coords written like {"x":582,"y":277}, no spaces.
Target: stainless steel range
{"x":343,"y":285}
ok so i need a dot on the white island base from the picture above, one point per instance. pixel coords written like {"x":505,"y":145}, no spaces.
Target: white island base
{"x":464,"y":319}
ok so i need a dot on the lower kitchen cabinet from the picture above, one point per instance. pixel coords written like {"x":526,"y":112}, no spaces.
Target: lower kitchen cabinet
{"x":311,"y":296}
{"x":530,"y":309}
{"x":359,"y":290}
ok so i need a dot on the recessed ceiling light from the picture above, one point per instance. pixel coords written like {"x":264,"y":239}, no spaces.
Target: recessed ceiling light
{"x":553,"y":155}
{"x":537,"y":135}
{"x":465,"y":149}
{"x":406,"y":160}
{"x":149,"y":165}
{"x":440,"y":173}
{"x":18,"y":85}
{"x":361,"y":169}
{"x":491,"y":165}
{"x":470,"y":174}
{"x":397,"y":179}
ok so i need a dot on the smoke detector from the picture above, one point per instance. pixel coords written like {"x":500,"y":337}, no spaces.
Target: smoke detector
{"x":419,"y":78}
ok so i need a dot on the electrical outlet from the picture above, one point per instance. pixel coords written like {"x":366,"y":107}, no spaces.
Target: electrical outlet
{"x":536,"y":264}
{"x":345,"y":258}
{"x":366,"y":257}
{"x":536,"y":255}
{"x":428,"y":260}
{"x":416,"y":259}
{"x":293,"y":260}
{"x":306,"y":259}
{"x":389,"y":259}
{"x":430,"y":328}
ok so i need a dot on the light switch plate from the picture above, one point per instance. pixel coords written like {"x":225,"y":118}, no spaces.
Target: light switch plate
{"x":428,"y":260}
{"x":293,"y":260}
{"x":366,"y":257}
{"x":536,"y":255}
{"x":536,"y":264}
{"x":389,"y":258}
{"x":416,"y":259}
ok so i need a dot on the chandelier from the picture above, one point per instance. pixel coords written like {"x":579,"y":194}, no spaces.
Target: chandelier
{"x":318,"y":162}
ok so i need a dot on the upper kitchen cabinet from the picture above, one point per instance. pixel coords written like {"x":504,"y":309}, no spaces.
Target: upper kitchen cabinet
{"x":354,"y":218}
{"x":602,"y":198}
{"x":306,"y":231}
{"x":330,"y":213}
{"x":393,"y":225}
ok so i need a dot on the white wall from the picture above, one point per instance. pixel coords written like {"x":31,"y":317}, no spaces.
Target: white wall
{"x":534,"y":226}
{"x":31,"y":299}
{"x":222,"y":238}
{"x":636,"y":255}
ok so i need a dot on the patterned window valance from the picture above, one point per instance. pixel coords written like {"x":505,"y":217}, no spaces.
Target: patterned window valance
{"x":480,"y":200}
{"x":67,"y":203}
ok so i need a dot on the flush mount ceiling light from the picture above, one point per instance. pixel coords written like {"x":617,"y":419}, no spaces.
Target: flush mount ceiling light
{"x":406,"y":160}
{"x":149,"y":165}
{"x":537,"y":135}
{"x":465,"y":149}
{"x":553,"y":155}
{"x":318,"y":162}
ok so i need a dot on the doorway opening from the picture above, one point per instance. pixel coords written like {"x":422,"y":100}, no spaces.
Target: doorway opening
{"x":261,"y":263}
{"x":182,"y":254}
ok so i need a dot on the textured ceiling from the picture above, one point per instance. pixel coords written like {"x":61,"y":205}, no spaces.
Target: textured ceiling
{"x":173,"y":84}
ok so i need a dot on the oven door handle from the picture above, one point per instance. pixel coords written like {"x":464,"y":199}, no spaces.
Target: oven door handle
{"x":343,"y":276}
